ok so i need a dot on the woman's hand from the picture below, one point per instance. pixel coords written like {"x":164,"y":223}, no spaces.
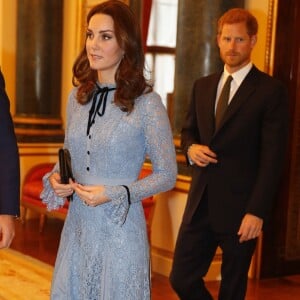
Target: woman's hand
{"x":61,"y":190}
{"x":91,"y":195}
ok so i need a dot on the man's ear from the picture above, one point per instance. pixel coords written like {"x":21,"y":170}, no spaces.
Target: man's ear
{"x":253,"y":40}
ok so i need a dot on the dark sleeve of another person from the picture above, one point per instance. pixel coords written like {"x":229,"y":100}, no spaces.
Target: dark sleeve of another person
{"x":9,"y":159}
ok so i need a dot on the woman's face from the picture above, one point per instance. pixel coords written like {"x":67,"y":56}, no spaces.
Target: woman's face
{"x":103,"y":51}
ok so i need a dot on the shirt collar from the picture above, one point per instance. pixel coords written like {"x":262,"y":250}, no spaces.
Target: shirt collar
{"x":239,"y":75}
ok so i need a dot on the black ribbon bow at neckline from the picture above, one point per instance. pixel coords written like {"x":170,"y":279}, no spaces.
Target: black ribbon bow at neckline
{"x":98,"y":107}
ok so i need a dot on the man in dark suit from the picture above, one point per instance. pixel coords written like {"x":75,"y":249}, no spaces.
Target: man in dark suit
{"x":236,"y":163}
{"x":10,"y":171}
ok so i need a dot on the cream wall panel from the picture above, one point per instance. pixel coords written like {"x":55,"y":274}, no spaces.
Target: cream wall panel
{"x":167,"y":218}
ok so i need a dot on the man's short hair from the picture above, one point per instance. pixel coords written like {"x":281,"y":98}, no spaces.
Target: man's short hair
{"x":239,"y":15}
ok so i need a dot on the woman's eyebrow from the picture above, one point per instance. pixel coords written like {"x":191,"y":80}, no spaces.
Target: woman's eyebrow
{"x":102,"y":31}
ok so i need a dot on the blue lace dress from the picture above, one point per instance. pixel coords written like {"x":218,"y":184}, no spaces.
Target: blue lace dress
{"x":104,"y":251}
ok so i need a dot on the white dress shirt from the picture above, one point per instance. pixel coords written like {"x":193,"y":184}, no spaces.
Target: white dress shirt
{"x":238,"y":78}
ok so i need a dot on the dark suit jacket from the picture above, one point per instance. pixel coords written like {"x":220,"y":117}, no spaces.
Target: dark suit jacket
{"x":250,"y":146}
{"x":9,"y":159}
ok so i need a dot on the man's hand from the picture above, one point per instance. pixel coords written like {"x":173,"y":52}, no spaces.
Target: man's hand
{"x":250,"y":228}
{"x":7,"y":230}
{"x":201,"y":155}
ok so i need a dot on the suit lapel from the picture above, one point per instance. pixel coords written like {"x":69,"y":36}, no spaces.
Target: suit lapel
{"x":207,"y":110}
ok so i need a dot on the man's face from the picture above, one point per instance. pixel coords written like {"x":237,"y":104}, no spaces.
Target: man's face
{"x":235,"y":46}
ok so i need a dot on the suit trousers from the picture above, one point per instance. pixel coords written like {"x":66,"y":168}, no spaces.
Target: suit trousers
{"x":195,"y":248}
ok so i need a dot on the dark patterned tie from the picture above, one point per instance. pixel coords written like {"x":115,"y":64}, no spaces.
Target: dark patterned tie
{"x":223,"y":101}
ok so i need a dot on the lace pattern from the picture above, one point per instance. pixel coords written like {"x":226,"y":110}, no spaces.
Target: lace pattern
{"x":104,"y":251}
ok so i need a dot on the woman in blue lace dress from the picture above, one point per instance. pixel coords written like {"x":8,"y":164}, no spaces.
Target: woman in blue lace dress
{"x":114,"y":121}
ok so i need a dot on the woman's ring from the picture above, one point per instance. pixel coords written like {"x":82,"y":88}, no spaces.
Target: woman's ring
{"x":85,"y":203}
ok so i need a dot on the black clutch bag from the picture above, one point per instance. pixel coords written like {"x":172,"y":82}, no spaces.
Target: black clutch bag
{"x":65,"y":167}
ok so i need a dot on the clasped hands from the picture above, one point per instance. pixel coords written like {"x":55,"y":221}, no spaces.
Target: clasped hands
{"x":91,"y":195}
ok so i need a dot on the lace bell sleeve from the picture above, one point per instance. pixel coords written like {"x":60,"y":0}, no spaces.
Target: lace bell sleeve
{"x":161,"y":151}
{"x":48,"y":195}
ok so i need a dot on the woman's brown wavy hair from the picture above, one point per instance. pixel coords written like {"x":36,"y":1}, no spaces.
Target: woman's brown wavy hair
{"x":130,"y":79}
